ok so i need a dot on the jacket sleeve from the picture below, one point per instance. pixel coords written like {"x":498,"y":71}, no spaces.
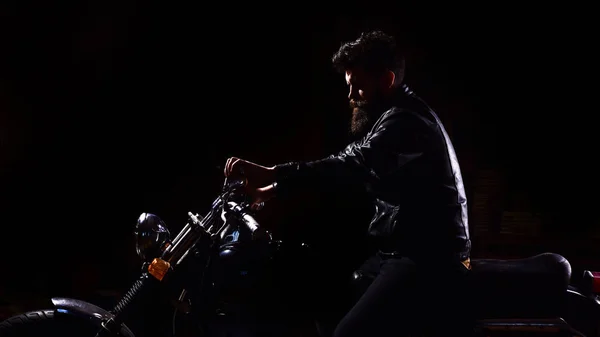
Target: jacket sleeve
{"x":393,"y":144}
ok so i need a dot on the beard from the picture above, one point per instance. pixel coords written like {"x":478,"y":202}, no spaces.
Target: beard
{"x":364,"y":115}
{"x":366,"y":112}
{"x":360,"y":121}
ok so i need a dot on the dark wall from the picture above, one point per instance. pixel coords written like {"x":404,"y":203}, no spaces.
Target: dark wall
{"x":111,"y":110}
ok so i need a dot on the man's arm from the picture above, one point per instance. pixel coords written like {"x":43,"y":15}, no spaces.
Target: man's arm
{"x":395,"y":143}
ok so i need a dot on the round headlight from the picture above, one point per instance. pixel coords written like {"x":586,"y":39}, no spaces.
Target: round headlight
{"x":151,"y":234}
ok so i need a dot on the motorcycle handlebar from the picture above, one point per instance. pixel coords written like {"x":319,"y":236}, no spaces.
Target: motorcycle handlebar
{"x":250,"y":222}
{"x":246,"y":218}
{"x":235,"y":184}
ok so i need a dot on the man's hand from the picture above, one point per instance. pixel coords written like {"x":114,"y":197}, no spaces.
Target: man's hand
{"x":255,"y":175}
{"x":261,"y":195}
{"x":259,"y":179}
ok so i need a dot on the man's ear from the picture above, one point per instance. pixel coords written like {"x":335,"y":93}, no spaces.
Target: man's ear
{"x":389,"y":78}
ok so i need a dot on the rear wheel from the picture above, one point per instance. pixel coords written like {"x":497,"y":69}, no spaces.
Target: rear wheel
{"x":43,"y":323}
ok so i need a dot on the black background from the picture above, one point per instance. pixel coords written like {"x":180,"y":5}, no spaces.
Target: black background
{"x":110,"y":109}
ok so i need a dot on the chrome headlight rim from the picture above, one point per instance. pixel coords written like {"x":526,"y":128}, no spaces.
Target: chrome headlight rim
{"x":151,"y":234}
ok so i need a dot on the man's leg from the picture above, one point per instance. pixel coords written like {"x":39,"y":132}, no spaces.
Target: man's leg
{"x":338,"y":301}
{"x":446,"y":300}
{"x":385,"y":308}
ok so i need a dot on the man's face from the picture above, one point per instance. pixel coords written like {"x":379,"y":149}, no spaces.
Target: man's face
{"x":367,"y":92}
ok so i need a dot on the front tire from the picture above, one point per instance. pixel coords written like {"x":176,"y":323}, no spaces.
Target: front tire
{"x":43,"y":323}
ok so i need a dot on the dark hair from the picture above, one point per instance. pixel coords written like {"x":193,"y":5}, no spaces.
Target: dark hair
{"x":373,"y":51}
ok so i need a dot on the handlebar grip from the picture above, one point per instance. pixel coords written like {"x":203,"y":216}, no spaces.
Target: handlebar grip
{"x":250,"y":222}
{"x":246,"y":218}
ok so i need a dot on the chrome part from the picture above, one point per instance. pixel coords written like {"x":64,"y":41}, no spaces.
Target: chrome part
{"x":151,"y":235}
{"x":528,"y":325}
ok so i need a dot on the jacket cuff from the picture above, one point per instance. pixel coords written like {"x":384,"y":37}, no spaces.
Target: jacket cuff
{"x":284,"y":177}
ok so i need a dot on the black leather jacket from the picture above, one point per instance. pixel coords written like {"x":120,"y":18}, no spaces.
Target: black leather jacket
{"x":409,"y":169}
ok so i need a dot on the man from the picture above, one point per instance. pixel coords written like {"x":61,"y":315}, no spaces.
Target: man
{"x":405,"y":161}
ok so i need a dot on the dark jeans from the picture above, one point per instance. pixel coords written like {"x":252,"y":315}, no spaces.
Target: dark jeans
{"x":406,"y":297}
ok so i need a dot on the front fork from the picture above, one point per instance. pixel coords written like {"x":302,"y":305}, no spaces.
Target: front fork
{"x":112,"y":326}
{"x":152,"y":274}
{"x":158,"y":269}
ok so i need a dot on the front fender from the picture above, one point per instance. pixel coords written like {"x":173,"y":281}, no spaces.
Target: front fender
{"x":88,"y":311}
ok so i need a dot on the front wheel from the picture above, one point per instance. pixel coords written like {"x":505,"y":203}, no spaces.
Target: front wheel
{"x":43,"y":323}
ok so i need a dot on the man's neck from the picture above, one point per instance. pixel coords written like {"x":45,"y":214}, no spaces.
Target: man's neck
{"x":391,"y":99}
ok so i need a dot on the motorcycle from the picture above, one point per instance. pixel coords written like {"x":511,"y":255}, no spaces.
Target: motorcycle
{"x":212,"y":270}
{"x":219,"y":266}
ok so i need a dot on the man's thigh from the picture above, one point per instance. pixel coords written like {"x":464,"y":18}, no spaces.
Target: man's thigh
{"x":386,"y":306}
{"x":338,"y":295}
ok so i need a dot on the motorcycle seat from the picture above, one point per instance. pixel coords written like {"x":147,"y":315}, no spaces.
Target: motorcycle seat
{"x":530,"y":287}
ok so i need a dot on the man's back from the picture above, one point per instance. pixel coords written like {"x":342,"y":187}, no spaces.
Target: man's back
{"x":421,"y":206}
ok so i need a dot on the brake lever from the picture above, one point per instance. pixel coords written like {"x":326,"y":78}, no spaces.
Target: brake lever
{"x":258,"y":207}
{"x":232,"y":186}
